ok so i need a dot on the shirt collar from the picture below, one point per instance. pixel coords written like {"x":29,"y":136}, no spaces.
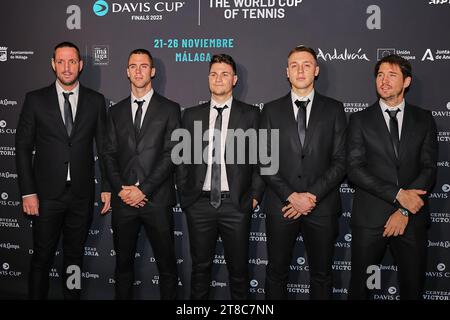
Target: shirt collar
{"x":147,"y":97}
{"x":310,"y":96}
{"x":384,"y":106}
{"x":221,"y":105}
{"x":60,"y":89}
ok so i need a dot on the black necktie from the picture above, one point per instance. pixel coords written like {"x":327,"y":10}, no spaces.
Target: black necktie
{"x":393,"y":129}
{"x":138,"y":117}
{"x":215,"y":195}
{"x":68,"y":118}
{"x":301,"y":119}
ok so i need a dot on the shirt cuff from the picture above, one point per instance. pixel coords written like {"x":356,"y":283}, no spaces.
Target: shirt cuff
{"x":395,"y":199}
{"x":29,"y":195}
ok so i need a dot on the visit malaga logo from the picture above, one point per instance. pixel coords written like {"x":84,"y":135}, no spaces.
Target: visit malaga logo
{"x":100,"y":8}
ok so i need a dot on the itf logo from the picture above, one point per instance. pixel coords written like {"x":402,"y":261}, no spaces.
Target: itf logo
{"x":100,"y":8}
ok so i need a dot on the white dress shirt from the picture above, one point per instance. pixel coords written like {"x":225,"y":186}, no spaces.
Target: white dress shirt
{"x":310,"y":96}
{"x":212,"y":121}
{"x":73,"y":99}
{"x":400,"y":114}
{"x":134,"y":106}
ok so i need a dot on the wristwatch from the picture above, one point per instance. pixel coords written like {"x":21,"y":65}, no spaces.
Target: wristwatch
{"x":404,"y":212}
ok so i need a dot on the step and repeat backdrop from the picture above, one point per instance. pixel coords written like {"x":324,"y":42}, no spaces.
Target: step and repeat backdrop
{"x":349,"y":37}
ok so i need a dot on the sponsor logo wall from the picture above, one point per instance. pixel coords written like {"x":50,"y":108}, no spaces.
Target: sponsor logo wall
{"x":182,"y":36}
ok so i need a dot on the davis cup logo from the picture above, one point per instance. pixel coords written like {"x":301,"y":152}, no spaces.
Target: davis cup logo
{"x":348,"y":237}
{"x":2,"y":123}
{"x":441,"y":267}
{"x":5,"y":266}
{"x":100,"y":8}
{"x":446,"y":187}
{"x":392,"y":290}
{"x":253,"y":283}
{"x":301,"y":260}
{"x":4,"y":196}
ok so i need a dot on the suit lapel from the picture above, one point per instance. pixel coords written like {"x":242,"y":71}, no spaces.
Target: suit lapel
{"x":288,"y":120}
{"x":382,"y":129}
{"x":317,"y":108}
{"x":80,"y":109}
{"x":53,"y":103}
{"x":235,"y":115}
{"x":152,"y":109}
{"x":407,"y":129}
{"x":204,"y":118}
{"x":127,"y":116}
{"x":233,"y":124}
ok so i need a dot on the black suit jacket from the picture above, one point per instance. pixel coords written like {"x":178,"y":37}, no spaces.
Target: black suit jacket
{"x":319,"y":166}
{"x":378,"y":174}
{"x":41,"y":127}
{"x":243,"y":179}
{"x":147,"y":158}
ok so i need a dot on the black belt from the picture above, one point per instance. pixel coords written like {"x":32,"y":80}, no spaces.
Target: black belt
{"x":223,"y":195}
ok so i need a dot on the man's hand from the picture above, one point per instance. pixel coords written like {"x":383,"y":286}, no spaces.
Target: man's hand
{"x":290,"y":213}
{"x":106,"y":200}
{"x":31,"y":205}
{"x":302,"y":202}
{"x":395,"y":225}
{"x":133,"y":196}
{"x":410,"y":199}
{"x":254,"y":204}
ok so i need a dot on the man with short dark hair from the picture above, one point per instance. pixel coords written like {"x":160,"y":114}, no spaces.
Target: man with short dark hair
{"x":220,"y":193}
{"x":304,"y":194}
{"x":139,"y":167}
{"x":391,"y":159}
{"x":61,"y":123}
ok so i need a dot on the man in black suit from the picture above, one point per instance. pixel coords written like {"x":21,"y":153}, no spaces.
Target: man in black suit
{"x":392,"y":154}
{"x":220,"y":192}
{"x":60,"y":122}
{"x":304,"y":194}
{"x":140,"y":170}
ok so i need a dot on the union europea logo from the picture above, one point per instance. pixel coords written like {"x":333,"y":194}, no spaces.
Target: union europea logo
{"x":100,"y":8}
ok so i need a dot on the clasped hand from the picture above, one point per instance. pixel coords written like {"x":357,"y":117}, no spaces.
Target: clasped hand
{"x":133,"y":196}
{"x":300,"y":203}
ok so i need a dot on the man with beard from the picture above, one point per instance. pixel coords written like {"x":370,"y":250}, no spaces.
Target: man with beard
{"x":61,"y":123}
{"x":391,"y":159}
